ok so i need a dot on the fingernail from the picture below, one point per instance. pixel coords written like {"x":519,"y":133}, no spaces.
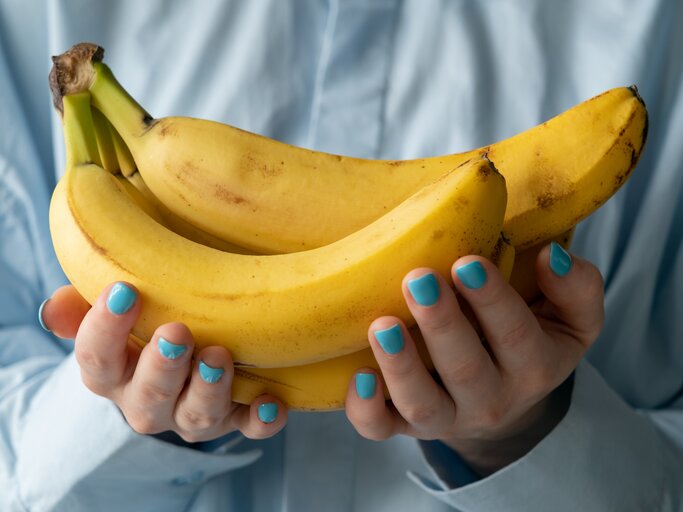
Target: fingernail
{"x":267,"y":412}
{"x":121,"y":299}
{"x":365,"y":385}
{"x":424,"y":289}
{"x":210,"y":374}
{"x":40,"y":315}
{"x":560,"y":260}
{"x":391,"y":339}
{"x":472,"y":275}
{"x":170,"y":350}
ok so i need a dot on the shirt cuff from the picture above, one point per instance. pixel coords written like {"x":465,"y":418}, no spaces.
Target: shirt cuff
{"x":74,"y":445}
{"x":603,"y":455}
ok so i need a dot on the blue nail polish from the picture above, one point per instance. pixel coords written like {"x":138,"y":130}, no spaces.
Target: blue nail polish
{"x":40,"y":315}
{"x":267,"y":412}
{"x":391,"y":339}
{"x":170,"y":350}
{"x":472,"y":275}
{"x":365,"y":385}
{"x":121,"y":299}
{"x":424,"y":289}
{"x":210,"y":374}
{"x":560,"y":260}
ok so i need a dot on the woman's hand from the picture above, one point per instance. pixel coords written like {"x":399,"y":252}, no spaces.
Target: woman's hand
{"x":163,"y":386}
{"x":493,"y":401}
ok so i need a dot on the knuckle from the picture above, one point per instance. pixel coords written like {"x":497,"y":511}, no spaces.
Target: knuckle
{"x":152,"y":393}
{"x":438,"y":323}
{"x":465,"y":374}
{"x":515,"y":336}
{"x":490,"y":417}
{"x":422,"y":414}
{"x":143,"y":423}
{"x":403,"y":367}
{"x":91,"y":361}
{"x":193,"y":421}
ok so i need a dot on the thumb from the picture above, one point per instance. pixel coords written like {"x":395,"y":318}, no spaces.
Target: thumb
{"x":63,"y":312}
{"x":574,"y":291}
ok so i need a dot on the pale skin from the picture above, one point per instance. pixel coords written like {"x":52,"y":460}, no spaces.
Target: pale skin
{"x":491,"y":403}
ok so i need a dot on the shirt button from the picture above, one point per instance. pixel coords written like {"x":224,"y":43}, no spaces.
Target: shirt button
{"x":192,"y":478}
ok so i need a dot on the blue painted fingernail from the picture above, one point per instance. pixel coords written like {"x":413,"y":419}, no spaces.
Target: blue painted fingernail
{"x":560,"y":260}
{"x":170,"y":350}
{"x":40,"y":315}
{"x":424,"y":289}
{"x":365,"y":385}
{"x":210,"y":374}
{"x":391,"y":339}
{"x":121,"y":299}
{"x":472,"y":275}
{"x":267,"y":412}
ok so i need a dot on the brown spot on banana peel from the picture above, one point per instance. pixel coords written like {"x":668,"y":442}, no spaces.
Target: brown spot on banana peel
{"x":226,"y":195}
{"x":246,"y":374}
{"x":166,"y":129}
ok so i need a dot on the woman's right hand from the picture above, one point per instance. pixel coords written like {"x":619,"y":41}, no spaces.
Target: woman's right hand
{"x":163,"y":386}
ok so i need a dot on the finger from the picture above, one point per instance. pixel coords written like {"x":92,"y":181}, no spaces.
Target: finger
{"x":163,"y":367}
{"x":575,"y":291}
{"x":511,"y":329}
{"x":367,"y":409}
{"x":460,"y":359}
{"x":205,"y":402}
{"x":264,"y":418}
{"x":414,"y":392}
{"x":102,"y":340}
{"x":63,"y":312}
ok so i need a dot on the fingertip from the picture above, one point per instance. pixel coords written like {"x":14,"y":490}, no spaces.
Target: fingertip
{"x":121,"y":297}
{"x":366,"y":406}
{"x":63,"y":312}
{"x":214,"y":364}
{"x":559,"y":259}
{"x":422,"y":286}
{"x":267,"y":416}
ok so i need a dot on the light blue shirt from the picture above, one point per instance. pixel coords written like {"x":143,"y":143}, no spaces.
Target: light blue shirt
{"x":380,"y":79}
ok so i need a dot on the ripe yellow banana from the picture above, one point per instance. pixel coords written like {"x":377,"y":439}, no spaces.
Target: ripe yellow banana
{"x":273,"y":198}
{"x":275,"y":310}
{"x":323,"y":385}
{"x":317,"y":386}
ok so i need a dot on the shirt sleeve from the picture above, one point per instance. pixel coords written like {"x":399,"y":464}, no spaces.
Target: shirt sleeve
{"x":61,"y":446}
{"x":603,"y":455}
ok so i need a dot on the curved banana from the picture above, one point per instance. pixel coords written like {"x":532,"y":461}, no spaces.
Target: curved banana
{"x":271,"y":197}
{"x":323,"y":385}
{"x":275,"y":310}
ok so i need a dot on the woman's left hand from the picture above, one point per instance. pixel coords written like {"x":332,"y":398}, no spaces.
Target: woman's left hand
{"x":494,"y":400}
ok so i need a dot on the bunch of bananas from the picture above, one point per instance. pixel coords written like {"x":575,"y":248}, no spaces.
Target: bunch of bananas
{"x":285,"y":255}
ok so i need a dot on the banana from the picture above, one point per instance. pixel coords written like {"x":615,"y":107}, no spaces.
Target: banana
{"x":271,"y":197}
{"x":322,"y":386}
{"x":272,"y":310}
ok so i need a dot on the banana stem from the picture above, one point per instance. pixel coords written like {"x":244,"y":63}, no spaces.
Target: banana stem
{"x":79,"y":131}
{"x":79,"y":70}
{"x":123,"y":112}
{"x":105,"y":143}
